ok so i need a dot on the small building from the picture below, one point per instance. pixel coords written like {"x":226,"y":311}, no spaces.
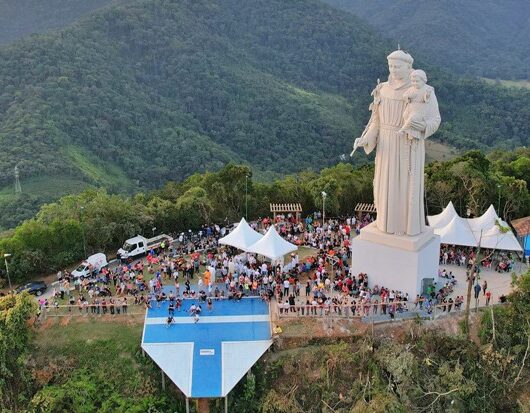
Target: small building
{"x":522,"y":230}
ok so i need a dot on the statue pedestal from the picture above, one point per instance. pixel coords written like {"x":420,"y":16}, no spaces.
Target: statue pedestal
{"x":396,"y":262}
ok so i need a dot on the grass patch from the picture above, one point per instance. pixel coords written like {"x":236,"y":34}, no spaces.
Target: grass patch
{"x":107,"y":174}
{"x":436,"y":151}
{"x":70,"y":338}
{"x":45,"y":186}
{"x":521,"y":84}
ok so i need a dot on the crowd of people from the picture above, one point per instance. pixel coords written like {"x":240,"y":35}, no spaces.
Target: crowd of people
{"x":197,"y":267}
{"x":501,"y":261}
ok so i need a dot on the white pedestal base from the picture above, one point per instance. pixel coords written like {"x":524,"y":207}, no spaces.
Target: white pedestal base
{"x":393,"y":267}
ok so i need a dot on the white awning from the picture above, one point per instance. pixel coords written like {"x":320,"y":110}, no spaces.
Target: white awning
{"x":242,"y":236}
{"x":272,"y":245}
{"x":457,"y":232}
{"x":485,"y":222}
{"x":443,"y":218}
{"x":494,"y":238}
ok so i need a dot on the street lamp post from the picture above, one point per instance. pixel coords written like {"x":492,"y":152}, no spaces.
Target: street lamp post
{"x":324,"y":195}
{"x":499,"y":201}
{"x":6,"y":256}
{"x":153,"y":229}
{"x":246,"y":197}
{"x":83,"y":229}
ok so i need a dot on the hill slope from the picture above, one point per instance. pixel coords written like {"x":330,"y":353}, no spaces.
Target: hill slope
{"x":475,"y":37}
{"x":155,"y":90}
{"x":21,"y":18}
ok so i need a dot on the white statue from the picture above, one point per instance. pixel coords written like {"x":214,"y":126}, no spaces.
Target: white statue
{"x":404,"y":113}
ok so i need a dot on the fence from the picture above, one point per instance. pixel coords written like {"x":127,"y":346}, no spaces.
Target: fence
{"x":370,"y":311}
{"x":91,"y":311}
{"x":98,"y":310}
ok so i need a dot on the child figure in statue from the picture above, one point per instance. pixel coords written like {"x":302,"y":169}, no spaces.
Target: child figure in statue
{"x":417,"y":99}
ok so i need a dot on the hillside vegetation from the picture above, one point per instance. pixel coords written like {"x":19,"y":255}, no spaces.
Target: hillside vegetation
{"x":21,"y":18}
{"x":151,"y":91}
{"x":81,"y":365}
{"x":485,"y":38}
{"x":55,"y":238}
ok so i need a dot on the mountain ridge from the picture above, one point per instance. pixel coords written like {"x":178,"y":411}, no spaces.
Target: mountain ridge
{"x":149,"y":91}
{"x":482,"y":38}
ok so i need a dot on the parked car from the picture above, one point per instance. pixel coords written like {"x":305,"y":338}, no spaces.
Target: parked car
{"x":34,"y":287}
{"x":91,"y":266}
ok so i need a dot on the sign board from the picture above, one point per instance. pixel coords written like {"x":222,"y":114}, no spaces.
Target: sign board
{"x":207,"y":352}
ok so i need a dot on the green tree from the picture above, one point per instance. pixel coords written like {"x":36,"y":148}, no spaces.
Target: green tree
{"x":15,"y":334}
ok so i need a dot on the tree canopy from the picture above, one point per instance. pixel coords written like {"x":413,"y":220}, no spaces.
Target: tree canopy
{"x":101,"y":221}
{"x":144,"y":92}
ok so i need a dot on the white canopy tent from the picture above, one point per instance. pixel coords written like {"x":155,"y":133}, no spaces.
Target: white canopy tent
{"x":272,"y":245}
{"x":494,"y":238}
{"x":472,"y":231}
{"x":456,"y":232}
{"x":485,"y":222}
{"x":242,"y":236}
{"x":444,"y":217}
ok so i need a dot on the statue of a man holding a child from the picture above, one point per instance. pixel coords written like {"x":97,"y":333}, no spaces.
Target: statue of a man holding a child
{"x":404,"y":113}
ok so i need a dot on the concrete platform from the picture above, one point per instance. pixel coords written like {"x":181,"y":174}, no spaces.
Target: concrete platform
{"x":208,"y":358}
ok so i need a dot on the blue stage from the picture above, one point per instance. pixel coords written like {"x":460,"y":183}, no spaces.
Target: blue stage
{"x":208,"y":358}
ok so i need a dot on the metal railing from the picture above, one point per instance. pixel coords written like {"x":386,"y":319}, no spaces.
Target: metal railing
{"x":90,"y":311}
{"x":367,"y":310}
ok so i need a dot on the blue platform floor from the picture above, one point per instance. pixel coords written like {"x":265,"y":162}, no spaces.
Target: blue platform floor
{"x":207,"y":358}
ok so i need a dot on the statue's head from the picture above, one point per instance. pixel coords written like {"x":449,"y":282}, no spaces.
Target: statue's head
{"x":399,"y":64}
{"x":418,"y":78}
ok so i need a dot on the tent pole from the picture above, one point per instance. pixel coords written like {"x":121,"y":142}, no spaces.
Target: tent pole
{"x":226,"y":403}
{"x":187,"y":405}
{"x":163,"y":380}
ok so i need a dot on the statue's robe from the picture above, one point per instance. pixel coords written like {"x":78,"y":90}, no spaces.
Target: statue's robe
{"x":399,"y":163}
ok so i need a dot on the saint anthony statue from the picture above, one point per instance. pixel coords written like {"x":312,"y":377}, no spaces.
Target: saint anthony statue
{"x":404,"y":114}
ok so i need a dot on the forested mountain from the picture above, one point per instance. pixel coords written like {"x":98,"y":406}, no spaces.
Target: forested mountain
{"x":153,"y":90}
{"x":488,"y":38}
{"x":20,"y":18}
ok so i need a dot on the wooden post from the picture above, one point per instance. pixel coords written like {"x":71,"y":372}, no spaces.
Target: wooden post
{"x":163,"y":380}
{"x":203,"y":405}
{"x":226,"y":403}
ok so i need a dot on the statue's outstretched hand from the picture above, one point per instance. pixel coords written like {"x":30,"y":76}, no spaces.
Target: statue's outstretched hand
{"x":356,"y":143}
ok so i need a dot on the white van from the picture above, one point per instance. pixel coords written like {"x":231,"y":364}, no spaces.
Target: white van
{"x":91,"y":266}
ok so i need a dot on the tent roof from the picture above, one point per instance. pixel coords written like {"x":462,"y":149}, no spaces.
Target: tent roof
{"x":485,"y":221}
{"x":241,"y":236}
{"x":444,"y":217}
{"x":272,"y":245}
{"x":494,"y":238}
{"x":457,"y":232}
